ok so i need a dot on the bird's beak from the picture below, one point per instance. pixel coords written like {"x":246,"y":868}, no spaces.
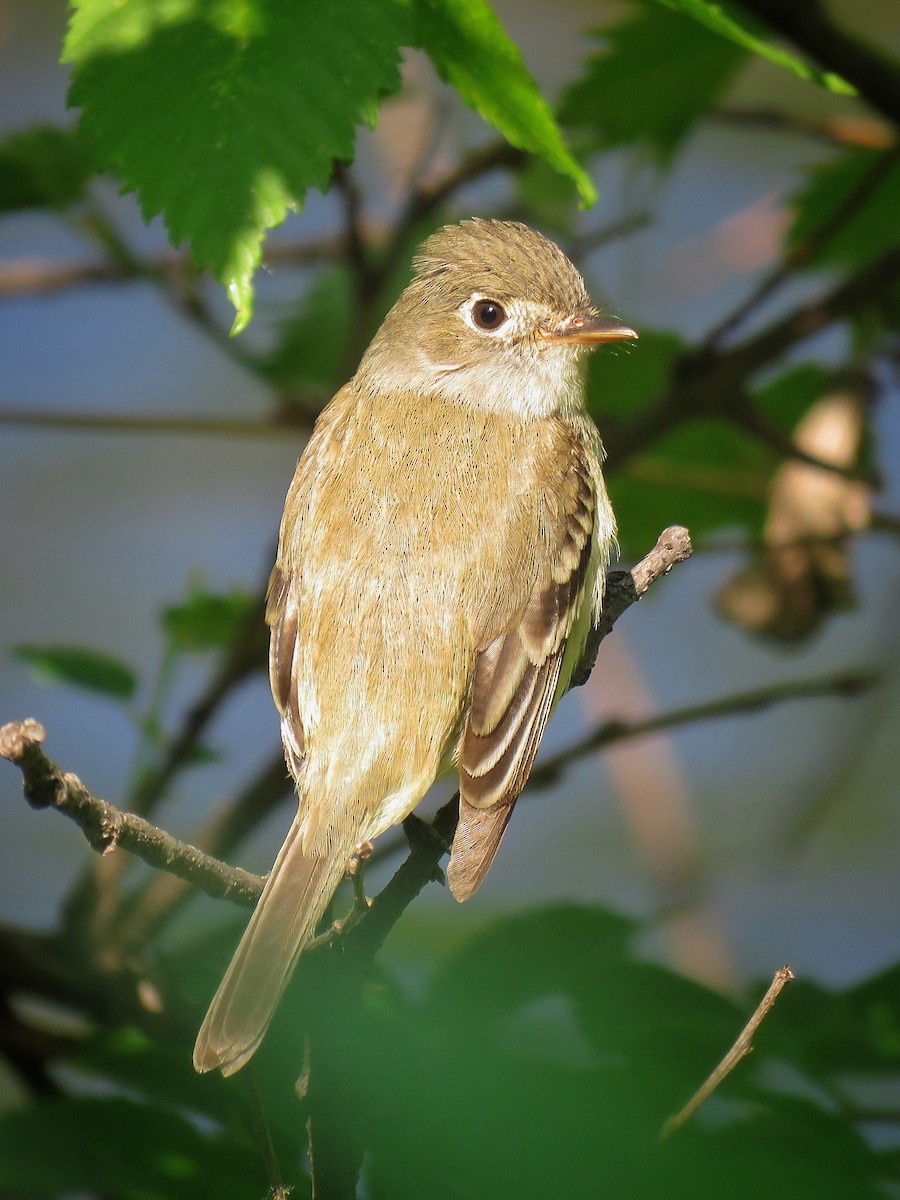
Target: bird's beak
{"x":588,"y":330}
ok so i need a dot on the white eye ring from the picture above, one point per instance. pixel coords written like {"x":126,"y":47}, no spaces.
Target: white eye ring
{"x":484,"y":314}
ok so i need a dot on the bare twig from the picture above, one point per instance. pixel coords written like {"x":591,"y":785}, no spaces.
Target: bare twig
{"x":107,"y":827}
{"x":846,"y":685}
{"x":739,"y":1050}
{"x":29,"y":276}
{"x":267,"y":427}
{"x":841,"y":129}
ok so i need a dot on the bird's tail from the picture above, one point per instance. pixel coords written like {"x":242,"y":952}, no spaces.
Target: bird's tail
{"x":297,"y":891}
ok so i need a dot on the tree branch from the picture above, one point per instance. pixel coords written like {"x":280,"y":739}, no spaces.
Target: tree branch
{"x":711,"y":382}
{"x":739,"y":1050}
{"x":106,"y":827}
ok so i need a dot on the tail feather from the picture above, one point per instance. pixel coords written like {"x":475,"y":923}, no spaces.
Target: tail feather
{"x":475,"y":844}
{"x":297,"y":891}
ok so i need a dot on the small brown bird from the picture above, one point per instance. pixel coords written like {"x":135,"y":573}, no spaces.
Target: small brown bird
{"x":442,"y":555}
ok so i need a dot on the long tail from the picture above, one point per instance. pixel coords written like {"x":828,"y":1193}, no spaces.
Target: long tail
{"x":296,"y":893}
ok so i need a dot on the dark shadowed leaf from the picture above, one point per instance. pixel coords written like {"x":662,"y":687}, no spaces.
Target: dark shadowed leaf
{"x":44,"y":167}
{"x":115,"y":1146}
{"x":657,"y":73}
{"x":859,"y":192}
{"x":80,"y":667}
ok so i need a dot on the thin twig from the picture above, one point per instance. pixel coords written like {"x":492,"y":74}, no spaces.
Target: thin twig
{"x":107,"y":827}
{"x":30,"y":276}
{"x":739,"y":1050}
{"x":266,"y":427}
{"x":841,"y":129}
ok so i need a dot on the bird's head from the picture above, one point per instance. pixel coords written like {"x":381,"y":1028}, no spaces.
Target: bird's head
{"x":496,"y":316}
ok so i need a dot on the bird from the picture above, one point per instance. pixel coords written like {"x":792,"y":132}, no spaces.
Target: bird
{"x":441,"y":559}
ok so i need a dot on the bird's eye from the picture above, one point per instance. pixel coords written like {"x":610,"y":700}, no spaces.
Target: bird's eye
{"x":488,"y":315}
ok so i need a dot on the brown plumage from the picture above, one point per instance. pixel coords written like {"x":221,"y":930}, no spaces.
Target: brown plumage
{"x":442,"y":554}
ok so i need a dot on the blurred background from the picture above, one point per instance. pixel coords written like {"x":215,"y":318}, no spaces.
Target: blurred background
{"x":740,"y":843}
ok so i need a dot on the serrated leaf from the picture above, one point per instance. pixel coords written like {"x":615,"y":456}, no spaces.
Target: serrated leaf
{"x":205,"y":621}
{"x":220,"y":116}
{"x":741,"y":29}
{"x":44,"y":167}
{"x":657,"y":74}
{"x":860,"y":193}
{"x":471,"y":50}
{"x":80,"y":667}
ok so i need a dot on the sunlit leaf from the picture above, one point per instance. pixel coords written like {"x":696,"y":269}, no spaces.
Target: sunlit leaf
{"x":737,"y":26}
{"x":220,"y":116}
{"x":471,"y":50}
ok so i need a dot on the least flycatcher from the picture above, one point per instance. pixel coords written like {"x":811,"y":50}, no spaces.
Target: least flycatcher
{"x":442,"y":556}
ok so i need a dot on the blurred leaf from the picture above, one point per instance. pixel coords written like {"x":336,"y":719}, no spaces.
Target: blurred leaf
{"x":862,"y":187}
{"x":205,"y":621}
{"x":787,"y":397}
{"x":311,"y":345}
{"x":471,"y":50}
{"x":740,"y":28}
{"x":112,"y":1145}
{"x":44,"y":167}
{"x":80,"y":667}
{"x":658,"y":73}
{"x":550,"y":198}
{"x":623,"y":379}
{"x":221,"y":116}
{"x":836,"y":1031}
{"x":705,"y":475}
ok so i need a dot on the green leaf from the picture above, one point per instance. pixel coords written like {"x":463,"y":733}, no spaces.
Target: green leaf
{"x":859,"y":194}
{"x":739,"y":28}
{"x":44,"y":167}
{"x":220,"y":116}
{"x":205,"y":621}
{"x":80,"y":667}
{"x":116,"y":1146}
{"x":471,"y":50}
{"x":311,"y":345}
{"x":786,"y":398}
{"x":657,"y":74}
{"x":705,"y":475}
{"x":623,"y":379}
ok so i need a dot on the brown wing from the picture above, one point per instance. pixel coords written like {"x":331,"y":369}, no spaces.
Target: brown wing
{"x":282,"y":617}
{"x":514,"y":686}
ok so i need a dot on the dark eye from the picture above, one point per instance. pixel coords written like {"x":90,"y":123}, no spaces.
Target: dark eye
{"x":488,"y":314}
